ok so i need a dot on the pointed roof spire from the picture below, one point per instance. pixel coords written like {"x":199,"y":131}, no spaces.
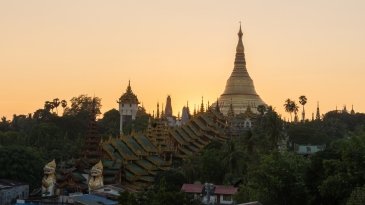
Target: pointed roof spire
{"x":240,"y":34}
{"x":352,"y":110}
{"x":202,"y":105}
{"x":158,"y":110}
{"x":187,"y":108}
{"x":162,"y":112}
{"x":217,"y":106}
{"x":129,"y":88}
{"x":318,"y":115}
{"x":168,"y":107}
{"x":240,"y":48}
{"x":128,"y":97}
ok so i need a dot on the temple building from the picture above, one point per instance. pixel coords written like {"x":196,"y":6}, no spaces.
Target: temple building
{"x":133,"y":159}
{"x":240,"y":92}
{"x":142,"y":155}
{"x":128,"y":107}
{"x":168,"y":108}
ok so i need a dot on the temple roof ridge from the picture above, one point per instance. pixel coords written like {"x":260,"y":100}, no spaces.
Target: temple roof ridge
{"x":128,"y":97}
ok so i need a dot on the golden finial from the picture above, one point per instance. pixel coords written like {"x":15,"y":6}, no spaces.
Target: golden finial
{"x":240,"y":31}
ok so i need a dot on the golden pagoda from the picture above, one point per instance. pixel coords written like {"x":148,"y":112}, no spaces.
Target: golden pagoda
{"x":240,"y":92}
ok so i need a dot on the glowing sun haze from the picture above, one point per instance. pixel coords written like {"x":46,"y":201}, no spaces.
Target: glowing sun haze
{"x":186,"y":49}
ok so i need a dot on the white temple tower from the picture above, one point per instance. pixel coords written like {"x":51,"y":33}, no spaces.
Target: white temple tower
{"x":128,"y":107}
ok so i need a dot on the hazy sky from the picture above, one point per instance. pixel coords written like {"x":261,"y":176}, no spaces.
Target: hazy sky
{"x":186,"y":49}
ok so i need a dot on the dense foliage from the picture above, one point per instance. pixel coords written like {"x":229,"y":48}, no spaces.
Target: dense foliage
{"x":165,"y":191}
{"x":46,"y":135}
{"x":275,"y":176}
{"x":23,"y":164}
{"x":261,"y":161}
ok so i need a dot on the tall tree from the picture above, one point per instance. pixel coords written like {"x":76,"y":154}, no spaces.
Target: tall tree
{"x":289,"y":107}
{"x":278,"y":179}
{"x":64,"y":105}
{"x":303,"y":101}
{"x":47,"y":105}
{"x":56,"y":103}
{"x":109,"y":124}
{"x":295,"y":109}
{"x":83,"y":104}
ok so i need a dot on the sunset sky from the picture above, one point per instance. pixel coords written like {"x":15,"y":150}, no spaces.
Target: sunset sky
{"x":185,"y":49}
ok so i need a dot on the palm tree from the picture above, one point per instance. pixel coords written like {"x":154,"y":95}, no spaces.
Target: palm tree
{"x":295,"y":109}
{"x":63,"y":105}
{"x":56,"y":103}
{"x":289,"y":107}
{"x":303,"y":101}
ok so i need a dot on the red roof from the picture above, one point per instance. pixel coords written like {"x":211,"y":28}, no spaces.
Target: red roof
{"x":219,"y":189}
{"x":192,"y":188}
{"x":226,"y":190}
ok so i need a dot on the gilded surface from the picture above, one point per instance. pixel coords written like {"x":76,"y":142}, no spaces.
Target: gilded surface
{"x":240,"y":90}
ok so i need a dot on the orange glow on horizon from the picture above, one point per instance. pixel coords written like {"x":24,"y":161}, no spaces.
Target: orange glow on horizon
{"x":184,"y":49}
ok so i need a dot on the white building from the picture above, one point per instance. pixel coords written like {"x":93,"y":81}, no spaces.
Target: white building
{"x":10,"y":191}
{"x":128,"y":107}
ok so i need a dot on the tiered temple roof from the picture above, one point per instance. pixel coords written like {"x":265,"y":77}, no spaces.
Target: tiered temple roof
{"x":128,"y":97}
{"x":91,"y":153}
{"x":143,"y":155}
{"x":136,"y":152}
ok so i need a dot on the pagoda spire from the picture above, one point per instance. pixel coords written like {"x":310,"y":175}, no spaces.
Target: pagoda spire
{"x":162,"y":112}
{"x":231,"y":110}
{"x":158,"y":111}
{"x":318,"y":115}
{"x":129,"y":88}
{"x":91,"y":150}
{"x":202,"y":105}
{"x":217,"y":106}
{"x":352,"y":110}
{"x":240,"y":60}
{"x":240,"y":87}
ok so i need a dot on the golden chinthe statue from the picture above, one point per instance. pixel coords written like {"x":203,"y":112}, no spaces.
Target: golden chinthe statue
{"x":240,"y":92}
{"x":49,"y":179}
{"x":96,"y":177}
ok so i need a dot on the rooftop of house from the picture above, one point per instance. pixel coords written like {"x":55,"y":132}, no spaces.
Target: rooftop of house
{"x":7,"y":183}
{"x":91,"y":199}
{"x":218,"y":189}
{"x":251,"y":203}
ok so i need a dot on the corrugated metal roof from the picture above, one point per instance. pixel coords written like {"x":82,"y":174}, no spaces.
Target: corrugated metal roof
{"x":91,"y":199}
{"x":226,"y":190}
{"x":192,"y":188}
